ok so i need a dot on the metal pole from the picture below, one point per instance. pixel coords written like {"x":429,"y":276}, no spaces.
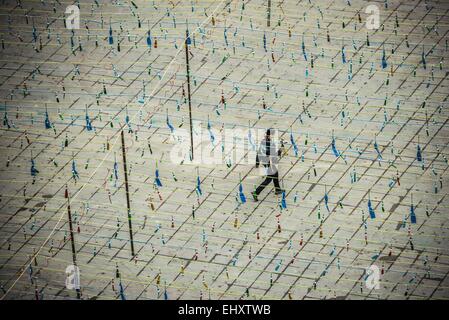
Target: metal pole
{"x":127,"y":194}
{"x":72,"y":240}
{"x":269,"y":13}
{"x":188,"y":91}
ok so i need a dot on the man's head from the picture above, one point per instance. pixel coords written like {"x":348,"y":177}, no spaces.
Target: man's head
{"x":268,"y":134}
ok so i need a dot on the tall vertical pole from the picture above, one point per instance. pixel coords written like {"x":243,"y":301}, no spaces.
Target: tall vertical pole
{"x":268,"y":13}
{"x":187,"y":40}
{"x":125,"y":170}
{"x":36,"y":291}
{"x":72,"y":240}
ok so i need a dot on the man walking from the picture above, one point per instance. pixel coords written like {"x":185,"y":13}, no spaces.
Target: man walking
{"x":268,"y":156}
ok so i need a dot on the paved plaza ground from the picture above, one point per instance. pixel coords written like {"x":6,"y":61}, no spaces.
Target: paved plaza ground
{"x":363,"y":113}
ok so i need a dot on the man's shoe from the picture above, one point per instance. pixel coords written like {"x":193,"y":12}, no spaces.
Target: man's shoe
{"x":255,"y":196}
{"x":279,"y":191}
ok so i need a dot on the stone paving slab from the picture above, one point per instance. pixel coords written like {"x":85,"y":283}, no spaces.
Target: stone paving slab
{"x":108,"y":76}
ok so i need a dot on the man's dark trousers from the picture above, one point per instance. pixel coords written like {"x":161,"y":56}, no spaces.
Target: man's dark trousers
{"x":274,"y":177}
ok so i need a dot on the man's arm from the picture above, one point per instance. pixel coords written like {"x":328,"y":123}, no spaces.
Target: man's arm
{"x":281,"y":149}
{"x":258,"y":154}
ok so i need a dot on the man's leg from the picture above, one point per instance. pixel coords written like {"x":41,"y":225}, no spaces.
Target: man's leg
{"x":263,"y":185}
{"x":277,"y":187}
